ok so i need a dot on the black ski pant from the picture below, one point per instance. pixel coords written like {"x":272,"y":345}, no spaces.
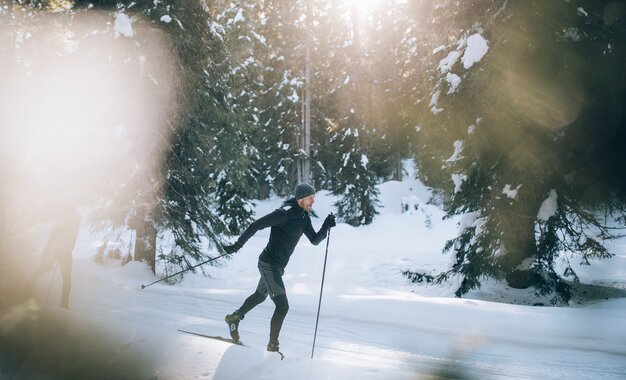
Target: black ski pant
{"x":270,"y":283}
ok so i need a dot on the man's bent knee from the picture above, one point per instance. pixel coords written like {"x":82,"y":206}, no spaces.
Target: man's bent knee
{"x":259,"y":297}
{"x":282,"y":305}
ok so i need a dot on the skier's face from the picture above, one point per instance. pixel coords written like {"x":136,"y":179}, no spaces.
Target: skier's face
{"x":307,"y":202}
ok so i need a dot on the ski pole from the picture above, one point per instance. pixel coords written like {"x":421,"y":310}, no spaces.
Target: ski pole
{"x":184,"y":270}
{"x":321,"y":291}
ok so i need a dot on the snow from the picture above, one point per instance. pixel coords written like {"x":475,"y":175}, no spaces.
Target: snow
{"x":433,"y":102}
{"x":476,"y":49}
{"x":123,"y":25}
{"x":446,"y":64}
{"x":458,"y":149}
{"x":373,"y":323}
{"x":166,"y":19}
{"x":454,"y":81}
{"x":238,"y":18}
{"x":458,"y":179}
{"x":434,"y":99}
{"x":259,"y":37}
{"x":216,"y":30}
{"x":472,"y":54}
{"x":364,"y":161}
{"x":438,"y":49}
{"x":510,"y":191}
{"x":294,"y":97}
{"x":548,"y":207}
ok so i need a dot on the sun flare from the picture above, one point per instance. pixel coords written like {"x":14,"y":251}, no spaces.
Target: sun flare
{"x":74,"y":120}
{"x":361,"y":8}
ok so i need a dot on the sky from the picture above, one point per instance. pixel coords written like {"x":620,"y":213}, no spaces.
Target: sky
{"x":373,"y":323}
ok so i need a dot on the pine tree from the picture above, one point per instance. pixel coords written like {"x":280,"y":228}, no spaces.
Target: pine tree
{"x":280,"y":98}
{"x":244,"y":46}
{"x":206,"y":134}
{"x":341,"y":153}
{"x":205,"y":140}
{"x":354,"y":182}
{"x":386,"y":54}
{"x":522,"y":130}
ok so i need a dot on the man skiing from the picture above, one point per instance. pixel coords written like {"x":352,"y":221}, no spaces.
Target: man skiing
{"x":288,"y":224}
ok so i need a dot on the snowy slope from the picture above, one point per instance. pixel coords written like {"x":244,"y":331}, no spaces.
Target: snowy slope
{"x":373,"y":324}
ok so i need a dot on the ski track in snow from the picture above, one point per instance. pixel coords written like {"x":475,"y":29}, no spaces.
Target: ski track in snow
{"x":373,"y":323}
{"x":349,"y":335}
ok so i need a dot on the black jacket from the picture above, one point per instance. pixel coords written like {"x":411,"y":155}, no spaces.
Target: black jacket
{"x":288,"y":224}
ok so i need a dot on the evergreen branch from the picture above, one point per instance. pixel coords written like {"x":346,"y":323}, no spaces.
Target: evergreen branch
{"x":418,"y":278}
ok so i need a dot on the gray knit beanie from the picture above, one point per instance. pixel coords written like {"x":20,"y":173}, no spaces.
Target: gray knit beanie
{"x":303,"y":190}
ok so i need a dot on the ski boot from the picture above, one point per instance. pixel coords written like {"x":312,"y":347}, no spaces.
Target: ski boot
{"x":273,"y":345}
{"x":233,"y":324}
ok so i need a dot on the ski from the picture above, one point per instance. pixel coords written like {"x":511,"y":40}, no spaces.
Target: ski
{"x":282,"y":356}
{"x":216,"y":337}
{"x":227,"y":340}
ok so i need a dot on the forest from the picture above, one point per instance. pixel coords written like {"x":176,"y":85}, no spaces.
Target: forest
{"x":512,"y":111}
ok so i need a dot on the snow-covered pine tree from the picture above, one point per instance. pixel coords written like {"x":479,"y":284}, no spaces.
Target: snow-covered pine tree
{"x":387,"y":44}
{"x":280,"y":98}
{"x":167,"y":199}
{"x":330,"y":35}
{"x":340,"y":155}
{"x":236,"y":210}
{"x":355,"y":182}
{"x":204,"y":132}
{"x":522,"y":116}
{"x":236,"y":181}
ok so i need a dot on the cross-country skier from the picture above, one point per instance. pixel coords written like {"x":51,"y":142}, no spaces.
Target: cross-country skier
{"x":288,"y":224}
{"x":60,"y":246}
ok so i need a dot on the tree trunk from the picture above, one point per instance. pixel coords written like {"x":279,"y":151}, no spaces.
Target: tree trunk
{"x":446,"y":197}
{"x":304,"y":170}
{"x":520,"y":243}
{"x":398,"y":174}
{"x":145,"y":243}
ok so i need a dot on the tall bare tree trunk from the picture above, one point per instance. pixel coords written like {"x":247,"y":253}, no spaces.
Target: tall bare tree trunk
{"x":304,"y":172}
{"x":398,"y":174}
{"x":306,"y":167}
{"x":145,"y":242}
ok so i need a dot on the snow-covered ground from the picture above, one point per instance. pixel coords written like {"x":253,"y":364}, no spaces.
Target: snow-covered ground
{"x":373,"y":323}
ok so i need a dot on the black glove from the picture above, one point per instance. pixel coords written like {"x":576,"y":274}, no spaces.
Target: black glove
{"x":229,"y":249}
{"x":329,"y":222}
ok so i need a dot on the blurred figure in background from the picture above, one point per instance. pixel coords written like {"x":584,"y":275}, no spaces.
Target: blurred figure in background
{"x":60,"y":245}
